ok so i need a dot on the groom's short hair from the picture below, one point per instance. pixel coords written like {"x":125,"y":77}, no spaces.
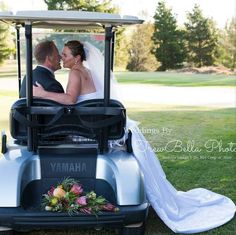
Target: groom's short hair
{"x":42,"y":50}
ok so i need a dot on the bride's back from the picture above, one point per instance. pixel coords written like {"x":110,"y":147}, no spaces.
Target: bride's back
{"x":86,"y":81}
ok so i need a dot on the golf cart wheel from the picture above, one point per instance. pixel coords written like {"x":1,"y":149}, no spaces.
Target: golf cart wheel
{"x":133,"y":230}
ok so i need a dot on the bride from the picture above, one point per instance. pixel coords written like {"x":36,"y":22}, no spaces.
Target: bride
{"x":193,"y":211}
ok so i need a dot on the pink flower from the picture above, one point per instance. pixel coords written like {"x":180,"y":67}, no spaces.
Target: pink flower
{"x":50,"y":192}
{"x":86,"y":210}
{"x":81,"y":201}
{"x":109,"y":207}
{"x":76,"y":189}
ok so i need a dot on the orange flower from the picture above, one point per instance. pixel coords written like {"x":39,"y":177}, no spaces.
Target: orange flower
{"x":59,"y":192}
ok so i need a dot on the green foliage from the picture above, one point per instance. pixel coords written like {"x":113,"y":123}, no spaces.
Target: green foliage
{"x":141,"y":58}
{"x":227,"y":45}
{"x":83,"y":5}
{"x":6,"y":47}
{"x":201,"y":36}
{"x":168,"y":40}
{"x":4,"y":50}
{"x":122,"y":46}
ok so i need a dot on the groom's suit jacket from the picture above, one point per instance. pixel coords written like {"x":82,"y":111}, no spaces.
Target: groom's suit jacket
{"x":45,"y":78}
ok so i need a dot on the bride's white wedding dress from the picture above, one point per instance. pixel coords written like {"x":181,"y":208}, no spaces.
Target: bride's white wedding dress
{"x":193,"y":211}
{"x":89,"y":96}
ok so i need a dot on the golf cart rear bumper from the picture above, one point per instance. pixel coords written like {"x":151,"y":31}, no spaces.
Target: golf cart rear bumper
{"x":20,"y":219}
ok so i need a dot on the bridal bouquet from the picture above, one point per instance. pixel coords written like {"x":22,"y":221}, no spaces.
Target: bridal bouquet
{"x":70,"y":197}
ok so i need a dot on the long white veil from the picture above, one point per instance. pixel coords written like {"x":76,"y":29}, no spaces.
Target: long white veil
{"x":95,"y":63}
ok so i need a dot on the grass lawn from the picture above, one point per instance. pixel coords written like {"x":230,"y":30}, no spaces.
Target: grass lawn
{"x":209,"y":130}
{"x":176,"y":79}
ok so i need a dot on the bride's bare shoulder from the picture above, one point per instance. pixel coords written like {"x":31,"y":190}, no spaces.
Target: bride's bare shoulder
{"x":80,"y":72}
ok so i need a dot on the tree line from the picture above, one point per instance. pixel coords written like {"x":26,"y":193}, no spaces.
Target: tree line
{"x":159,"y":45}
{"x":198,"y":43}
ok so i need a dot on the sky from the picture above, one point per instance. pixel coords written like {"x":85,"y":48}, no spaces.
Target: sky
{"x":219,"y":10}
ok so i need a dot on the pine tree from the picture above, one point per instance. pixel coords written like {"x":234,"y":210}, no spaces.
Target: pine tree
{"x":168,"y":40}
{"x":201,"y":36}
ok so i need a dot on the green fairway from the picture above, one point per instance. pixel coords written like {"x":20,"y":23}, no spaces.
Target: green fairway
{"x":176,"y":79}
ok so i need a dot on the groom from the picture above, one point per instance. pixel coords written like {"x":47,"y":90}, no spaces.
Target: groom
{"x":48,"y":60}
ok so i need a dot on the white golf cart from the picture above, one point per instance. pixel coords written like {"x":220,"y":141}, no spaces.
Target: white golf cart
{"x":40,"y":129}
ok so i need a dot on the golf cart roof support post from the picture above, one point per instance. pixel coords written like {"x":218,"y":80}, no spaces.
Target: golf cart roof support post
{"x":18,"y":56}
{"x":107,"y":77}
{"x":113,"y":49}
{"x":107,"y":64}
{"x":29,"y":93}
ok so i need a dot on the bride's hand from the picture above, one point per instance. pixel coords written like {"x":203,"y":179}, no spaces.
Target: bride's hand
{"x":39,"y":90}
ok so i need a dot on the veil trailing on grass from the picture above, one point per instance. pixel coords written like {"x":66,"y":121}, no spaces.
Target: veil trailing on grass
{"x":196,"y":210}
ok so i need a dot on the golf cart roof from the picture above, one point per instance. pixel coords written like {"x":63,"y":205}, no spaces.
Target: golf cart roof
{"x":67,"y":19}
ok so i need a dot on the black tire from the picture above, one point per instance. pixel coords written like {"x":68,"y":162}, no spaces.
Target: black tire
{"x":133,"y":230}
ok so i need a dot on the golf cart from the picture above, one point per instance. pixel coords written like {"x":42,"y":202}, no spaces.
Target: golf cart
{"x":41,"y":153}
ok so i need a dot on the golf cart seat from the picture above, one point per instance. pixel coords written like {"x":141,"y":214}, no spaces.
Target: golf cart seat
{"x":53,"y":122}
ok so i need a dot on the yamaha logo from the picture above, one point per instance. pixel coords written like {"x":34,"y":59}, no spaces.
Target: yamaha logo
{"x":66,"y":167}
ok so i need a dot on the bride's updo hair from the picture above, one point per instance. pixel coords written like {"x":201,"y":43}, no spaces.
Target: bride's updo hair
{"x":77,"y":48}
